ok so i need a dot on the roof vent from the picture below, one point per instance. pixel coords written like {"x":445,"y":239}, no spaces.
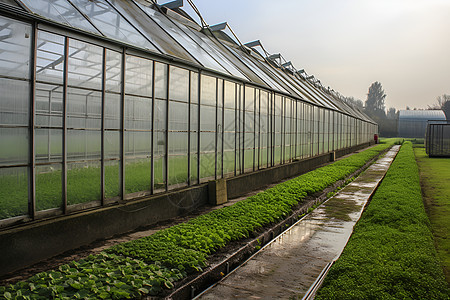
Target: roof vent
{"x":173,"y":4}
{"x":253,"y":44}
{"x":218,"y":27}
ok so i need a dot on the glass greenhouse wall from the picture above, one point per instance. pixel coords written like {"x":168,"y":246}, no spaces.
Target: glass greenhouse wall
{"x":102,"y":101}
{"x":437,"y":140}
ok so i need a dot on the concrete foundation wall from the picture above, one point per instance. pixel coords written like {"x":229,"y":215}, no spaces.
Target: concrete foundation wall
{"x":28,"y":244}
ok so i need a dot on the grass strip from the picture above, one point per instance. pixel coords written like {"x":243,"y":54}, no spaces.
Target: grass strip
{"x":172,"y":253}
{"x":435,"y":178}
{"x":390,"y":254}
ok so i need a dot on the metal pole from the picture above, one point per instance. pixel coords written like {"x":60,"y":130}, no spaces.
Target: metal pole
{"x":102,"y":162}
{"x":223,"y":125}
{"x":243,"y":130}
{"x":167,"y":128}
{"x":189,"y":130}
{"x":152,"y":147}
{"x":32,"y":145}
{"x":254,"y":130}
{"x":216,"y":130}
{"x":122,"y":128}
{"x":259,"y":130}
{"x":198,"y":125}
{"x":64,"y":146}
{"x":236,"y":128}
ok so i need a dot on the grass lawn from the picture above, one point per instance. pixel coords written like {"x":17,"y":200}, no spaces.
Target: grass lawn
{"x":435,"y":182}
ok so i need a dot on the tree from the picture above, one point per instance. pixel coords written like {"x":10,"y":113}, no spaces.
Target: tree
{"x":355,"y":102}
{"x":446,"y":109}
{"x":442,"y":103}
{"x":392,"y":113}
{"x":375,"y":106}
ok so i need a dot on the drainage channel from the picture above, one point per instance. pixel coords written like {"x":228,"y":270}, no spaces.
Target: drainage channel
{"x":294,"y":264}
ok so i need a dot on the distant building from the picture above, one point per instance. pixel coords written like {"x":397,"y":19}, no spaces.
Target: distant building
{"x":413,"y":123}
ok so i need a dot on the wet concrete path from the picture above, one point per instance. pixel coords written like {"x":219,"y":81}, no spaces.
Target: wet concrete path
{"x":288,"y":266}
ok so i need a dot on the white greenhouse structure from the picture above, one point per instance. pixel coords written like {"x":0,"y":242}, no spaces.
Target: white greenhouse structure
{"x":107,"y":101}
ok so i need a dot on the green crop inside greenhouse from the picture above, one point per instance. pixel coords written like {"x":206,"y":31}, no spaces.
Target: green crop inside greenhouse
{"x":106,"y":101}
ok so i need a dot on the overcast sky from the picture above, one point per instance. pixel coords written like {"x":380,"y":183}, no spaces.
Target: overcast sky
{"x":349,"y":44}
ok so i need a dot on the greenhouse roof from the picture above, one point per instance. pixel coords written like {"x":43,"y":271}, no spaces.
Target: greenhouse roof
{"x":173,"y":33}
{"x":421,"y":115}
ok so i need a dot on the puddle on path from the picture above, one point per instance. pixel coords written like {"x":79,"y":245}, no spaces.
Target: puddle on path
{"x":291,"y":263}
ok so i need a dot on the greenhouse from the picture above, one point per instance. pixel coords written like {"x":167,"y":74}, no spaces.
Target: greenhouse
{"x":108,"y":101}
{"x":413,"y":123}
{"x":437,"y":139}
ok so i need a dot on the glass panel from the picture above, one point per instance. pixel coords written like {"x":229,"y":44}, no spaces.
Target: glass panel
{"x":178,"y":159}
{"x":112,"y":144}
{"x":194,"y":87}
{"x":85,"y":65}
{"x":194,"y":157}
{"x":178,"y":113}
{"x":48,"y":187}
{"x":112,"y":183}
{"x":84,"y":109}
{"x":111,"y":23}
{"x":83,"y":145}
{"x":137,"y":161}
{"x":48,"y":145}
{"x":112,"y":111}
{"x":179,"y":84}
{"x":14,"y":192}
{"x":113,"y":71}
{"x":160,"y":172}
{"x":193,"y":48}
{"x":248,"y":159}
{"x":83,"y":182}
{"x":14,"y":102}
{"x":207,"y":118}
{"x":138,"y":113}
{"x":194,"y":117}
{"x":208,"y":90}
{"x":10,"y":2}
{"x":151,"y":30}
{"x":60,"y":11}
{"x":160,"y":115}
{"x":228,"y":162}
{"x":138,"y":144}
{"x":207,"y":165}
{"x":50,"y":57}
{"x":229,"y":122}
{"x":138,"y":76}
{"x":161,"y":81}
{"x":207,"y":155}
{"x":49,"y":105}
{"x":271,"y":82}
{"x":14,"y":146}
{"x":230,"y":94}
{"x":15,"y":45}
{"x":217,"y":54}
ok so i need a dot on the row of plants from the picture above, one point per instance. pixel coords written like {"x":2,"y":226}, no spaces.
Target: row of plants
{"x":173,"y":253}
{"x":390,"y":254}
